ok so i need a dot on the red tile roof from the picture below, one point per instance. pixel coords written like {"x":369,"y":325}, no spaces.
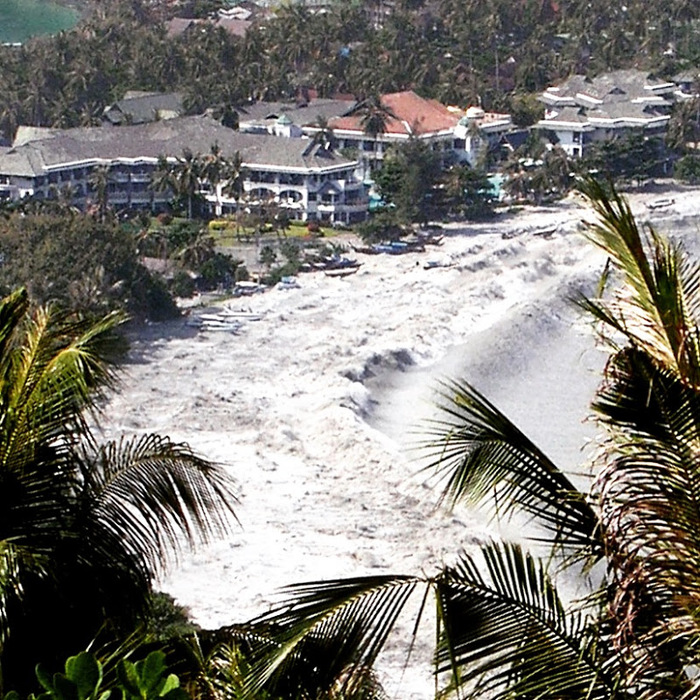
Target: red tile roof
{"x":415,"y":115}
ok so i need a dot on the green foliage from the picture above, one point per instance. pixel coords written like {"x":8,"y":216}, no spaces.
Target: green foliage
{"x":182,"y":285}
{"x":467,"y":192}
{"x":78,"y":262}
{"x":688,"y":169}
{"x":406,"y":179}
{"x":268,"y":256}
{"x":219,"y":269}
{"x":167,"y":619}
{"x":148,"y":679}
{"x":634,"y":157}
{"x":383,"y":225}
{"x":86,"y":526}
{"x":83,"y":679}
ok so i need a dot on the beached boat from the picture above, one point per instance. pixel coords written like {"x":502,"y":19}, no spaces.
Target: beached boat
{"x":240,"y":314}
{"x":288,"y":283}
{"x":247,"y":288}
{"x":341,"y":271}
{"x":661,"y":203}
{"x":215,"y":322}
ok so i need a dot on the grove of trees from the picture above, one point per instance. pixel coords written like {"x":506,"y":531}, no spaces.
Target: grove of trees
{"x":491,"y":52}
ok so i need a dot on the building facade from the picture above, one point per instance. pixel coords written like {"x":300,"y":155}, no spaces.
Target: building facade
{"x":301,"y":176}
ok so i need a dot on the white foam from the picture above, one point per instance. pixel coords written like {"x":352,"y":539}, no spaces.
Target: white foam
{"x":310,"y":407}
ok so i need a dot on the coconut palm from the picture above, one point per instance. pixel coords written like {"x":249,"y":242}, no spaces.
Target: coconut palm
{"x":84,"y":527}
{"x":186,"y":174}
{"x":374,"y":117}
{"x":99,"y":181}
{"x":503,"y":631}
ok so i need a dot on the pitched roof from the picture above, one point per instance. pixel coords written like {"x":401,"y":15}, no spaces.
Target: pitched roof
{"x":144,"y":107}
{"x":300,"y":114}
{"x":415,"y":116}
{"x":57,"y":147}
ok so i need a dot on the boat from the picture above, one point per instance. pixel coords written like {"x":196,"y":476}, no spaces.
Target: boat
{"x":661,"y":203}
{"x":240,"y":314}
{"x":545,"y":232}
{"x":341,"y":271}
{"x":288,"y":283}
{"x":215,"y":322}
{"x":247,"y":288}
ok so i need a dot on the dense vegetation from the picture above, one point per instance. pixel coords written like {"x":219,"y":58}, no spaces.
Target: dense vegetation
{"x":495,"y":52}
{"x":85,"y":526}
{"x":78,"y":262}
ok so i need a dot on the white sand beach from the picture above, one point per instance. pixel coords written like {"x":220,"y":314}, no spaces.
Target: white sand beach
{"x":313,"y":407}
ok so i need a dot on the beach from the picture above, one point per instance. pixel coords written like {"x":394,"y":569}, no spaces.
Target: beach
{"x":314,"y":408}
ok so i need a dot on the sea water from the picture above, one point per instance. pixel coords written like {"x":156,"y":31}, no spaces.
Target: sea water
{"x":23,"y":19}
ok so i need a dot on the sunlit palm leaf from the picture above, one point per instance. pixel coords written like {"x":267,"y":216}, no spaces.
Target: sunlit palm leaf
{"x":149,"y":496}
{"x":327,"y":633}
{"x":483,"y":457}
{"x":506,"y":633}
{"x":657,"y":307}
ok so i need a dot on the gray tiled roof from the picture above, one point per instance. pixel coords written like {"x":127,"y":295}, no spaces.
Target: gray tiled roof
{"x":624,"y":110}
{"x":301,"y":115}
{"x":170,"y":137}
{"x":143,"y":108}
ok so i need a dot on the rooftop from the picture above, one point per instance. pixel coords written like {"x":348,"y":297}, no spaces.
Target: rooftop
{"x":415,"y":116}
{"x":57,"y":147}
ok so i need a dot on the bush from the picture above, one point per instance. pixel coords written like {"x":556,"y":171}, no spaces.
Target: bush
{"x":182,"y":285}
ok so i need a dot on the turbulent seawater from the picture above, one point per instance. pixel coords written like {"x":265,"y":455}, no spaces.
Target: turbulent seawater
{"x":23,"y":19}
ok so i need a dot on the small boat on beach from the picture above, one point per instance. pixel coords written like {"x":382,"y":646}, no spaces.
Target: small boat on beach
{"x":661,"y":203}
{"x":240,"y":314}
{"x":341,"y":271}
{"x":288,"y":282}
{"x":215,"y":322}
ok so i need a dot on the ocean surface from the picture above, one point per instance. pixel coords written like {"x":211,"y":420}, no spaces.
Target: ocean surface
{"x":23,"y":19}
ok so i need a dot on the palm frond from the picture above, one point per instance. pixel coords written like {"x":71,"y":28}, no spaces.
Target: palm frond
{"x":483,"y":457}
{"x":148,"y":496}
{"x":657,"y":307}
{"x":327,"y":634}
{"x":505,"y":632}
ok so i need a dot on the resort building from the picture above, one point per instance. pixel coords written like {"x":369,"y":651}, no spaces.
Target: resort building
{"x":580,"y":111}
{"x":312,"y":158}
{"x":407,"y":116}
{"x":306,"y":179}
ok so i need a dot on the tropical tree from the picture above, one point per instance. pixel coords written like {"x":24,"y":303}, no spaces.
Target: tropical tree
{"x":98,"y":181}
{"x":374,"y":117}
{"x":85,"y":527}
{"x":214,"y":167}
{"x":503,"y":630}
{"x":186,"y":177}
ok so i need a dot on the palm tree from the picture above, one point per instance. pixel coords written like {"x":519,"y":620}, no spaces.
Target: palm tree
{"x":503,"y":631}
{"x":374,"y":117}
{"x":99,"y":181}
{"x":323,"y":132}
{"x":84,"y":527}
{"x":214,"y":167}
{"x":186,"y":174}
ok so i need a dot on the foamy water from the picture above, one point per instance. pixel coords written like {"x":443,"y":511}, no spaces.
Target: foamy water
{"x":313,"y":407}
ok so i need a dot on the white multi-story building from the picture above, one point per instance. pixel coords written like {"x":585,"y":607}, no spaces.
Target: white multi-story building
{"x":303,"y":177}
{"x":580,"y":111}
